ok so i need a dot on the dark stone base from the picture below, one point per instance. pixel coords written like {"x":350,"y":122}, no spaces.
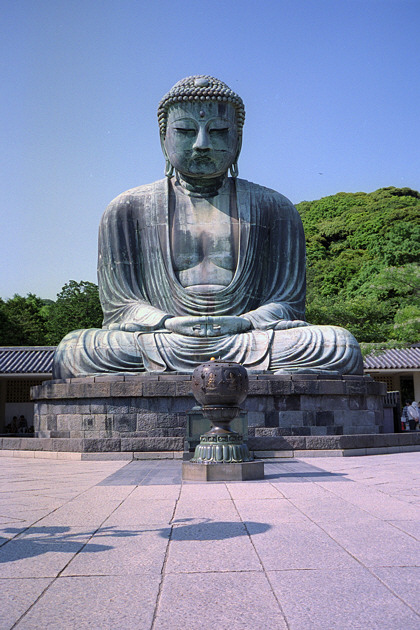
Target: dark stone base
{"x":245,"y":471}
{"x":264,"y":447}
{"x":148,"y":412}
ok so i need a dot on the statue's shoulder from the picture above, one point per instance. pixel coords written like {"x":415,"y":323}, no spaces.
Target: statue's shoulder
{"x":138,"y":193}
{"x":134,"y":197}
{"x":267,"y":196}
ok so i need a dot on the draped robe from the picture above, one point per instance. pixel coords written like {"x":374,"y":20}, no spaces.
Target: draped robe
{"x":138,"y":285}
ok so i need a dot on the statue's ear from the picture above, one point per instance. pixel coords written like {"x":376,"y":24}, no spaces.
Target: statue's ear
{"x":234,"y":171}
{"x":169,"y":169}
{"x":162,"y":144}
{"x":239,"y":148}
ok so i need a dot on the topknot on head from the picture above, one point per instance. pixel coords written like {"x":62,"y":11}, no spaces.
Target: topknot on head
{"x":200,"y":88}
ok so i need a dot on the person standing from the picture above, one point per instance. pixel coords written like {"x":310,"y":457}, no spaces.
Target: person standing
{"x":405,"y":417}
{"x":23,"y":424}
{"x":414,"y":415}
{"x":410,"y":416}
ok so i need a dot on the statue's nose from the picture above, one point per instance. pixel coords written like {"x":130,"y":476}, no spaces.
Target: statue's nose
{"x":202,"y":141}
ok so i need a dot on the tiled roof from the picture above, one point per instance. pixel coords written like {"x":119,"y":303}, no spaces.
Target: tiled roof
{"x":26,"y":359}
{"x":394,"y":359}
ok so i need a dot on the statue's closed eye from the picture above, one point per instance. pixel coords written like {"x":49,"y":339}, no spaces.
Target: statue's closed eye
{"x":184,"y":131}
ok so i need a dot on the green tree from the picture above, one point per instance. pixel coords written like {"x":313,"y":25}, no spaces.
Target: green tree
{"x":362,"y":255}
{"x":407,"y":324}
{"x":77,"y":306}
{"x":7,"y":334}
{"x":396,"y":284}
{"x":22,"y":322}
{"x":367,"y":319}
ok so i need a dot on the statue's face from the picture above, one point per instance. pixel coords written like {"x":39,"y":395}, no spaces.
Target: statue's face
{"x":202,"y":138}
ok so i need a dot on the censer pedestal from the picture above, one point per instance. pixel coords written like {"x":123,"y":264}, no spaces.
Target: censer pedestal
{"x":221,"y":454}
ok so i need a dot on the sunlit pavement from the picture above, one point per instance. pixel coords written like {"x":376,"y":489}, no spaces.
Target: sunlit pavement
{"x":321,"y":543}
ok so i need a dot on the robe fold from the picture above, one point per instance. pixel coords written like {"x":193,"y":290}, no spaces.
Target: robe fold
{"x":138,"y":285}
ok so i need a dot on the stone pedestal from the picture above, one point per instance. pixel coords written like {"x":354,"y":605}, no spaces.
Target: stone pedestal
{"x":148,"y":412}
{"x":245,"y":471}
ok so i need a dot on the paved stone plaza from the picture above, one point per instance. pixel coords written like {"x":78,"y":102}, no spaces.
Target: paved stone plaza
{"x":321,"y":543}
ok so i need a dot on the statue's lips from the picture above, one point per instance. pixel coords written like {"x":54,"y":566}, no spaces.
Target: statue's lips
{"x":202,"y":158}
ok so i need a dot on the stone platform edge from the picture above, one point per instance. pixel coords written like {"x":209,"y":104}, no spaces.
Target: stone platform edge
{"x":171,"y":384}
{"x":172,"y":448}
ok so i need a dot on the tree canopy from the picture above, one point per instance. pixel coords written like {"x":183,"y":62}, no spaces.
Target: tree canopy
{"x":23,"y":321}
{"x":31,"y":321}
{"x":77,"y":306}
{"x":362,"y":263}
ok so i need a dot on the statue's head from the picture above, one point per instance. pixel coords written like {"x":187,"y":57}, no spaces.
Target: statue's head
{"x":200,"y":121}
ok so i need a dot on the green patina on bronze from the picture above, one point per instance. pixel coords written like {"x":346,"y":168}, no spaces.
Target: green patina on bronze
{"x":202,"y":265}
{"x":220,"y":387}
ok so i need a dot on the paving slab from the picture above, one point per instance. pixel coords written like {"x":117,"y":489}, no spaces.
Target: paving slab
{"x":44,"y":551}
{"x":269,"y":511}
{"x":135,"y":511}
{"x":156,"y":493}
{"x":404,"y":581}
{"x":145,"y":472}
{"x":375,"y":543}
{"x":98,"y":602}
{"x":332,"y":508}
{"x":299,"y":545}
{"x":215,"y":546}
{"x":127,"y":551}
{"x":222,"y":510}
{"x":303,"y":490}
{"x":247,"y":490}
{"x":409,"y":527}
{"x":209,"y":492}
{"x":340,"y":599}
{"x":375,"y":501}
{"x":241,"y":601}
{"x":17,"y":595}
{"x":90,"y":508}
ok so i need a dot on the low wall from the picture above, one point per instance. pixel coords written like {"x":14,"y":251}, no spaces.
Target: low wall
{"x":148,"y":412}
{"x":260,"y":447}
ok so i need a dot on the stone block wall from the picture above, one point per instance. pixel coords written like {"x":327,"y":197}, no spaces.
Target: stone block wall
{"x":148,"y":411}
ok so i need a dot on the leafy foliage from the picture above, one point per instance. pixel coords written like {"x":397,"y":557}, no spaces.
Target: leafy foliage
{"x":27,"y":321}
{"x":22,"y":321}
{"x":362,"y":255}
{"x":77,"y":306}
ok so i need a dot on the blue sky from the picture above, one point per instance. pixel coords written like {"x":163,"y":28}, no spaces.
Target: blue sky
{"x":331,"y":89}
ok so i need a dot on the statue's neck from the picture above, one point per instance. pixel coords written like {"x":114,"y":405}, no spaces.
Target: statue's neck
{"x":200,"y":188}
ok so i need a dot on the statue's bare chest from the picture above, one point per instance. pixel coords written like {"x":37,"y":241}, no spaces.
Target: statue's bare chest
{"x":204,"y":239}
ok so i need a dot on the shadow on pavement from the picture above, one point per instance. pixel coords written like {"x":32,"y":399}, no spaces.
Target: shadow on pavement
{"x":215,"y":530}
{"x":296,"y":469}
{"x":41,"y":540}
{"x":323,"y":475}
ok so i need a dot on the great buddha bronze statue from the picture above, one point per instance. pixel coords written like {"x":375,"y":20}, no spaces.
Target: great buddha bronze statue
{"x":202,"y":265}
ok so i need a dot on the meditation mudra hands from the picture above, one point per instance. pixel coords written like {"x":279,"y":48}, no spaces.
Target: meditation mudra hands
{"x":219,"y":326}
{"x":205,"y":326}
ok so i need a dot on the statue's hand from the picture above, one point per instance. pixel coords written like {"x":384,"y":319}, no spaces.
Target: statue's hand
{"x":229,"y":325}
{"x":207,"y":326}
{"x":285,"y":324}
{"x":184,"y":325}
{"x":129,"y":327}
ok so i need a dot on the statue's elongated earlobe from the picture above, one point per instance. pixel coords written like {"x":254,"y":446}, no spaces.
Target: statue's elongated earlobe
{"x":234,"y":171}
{"x":169,"y":169}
